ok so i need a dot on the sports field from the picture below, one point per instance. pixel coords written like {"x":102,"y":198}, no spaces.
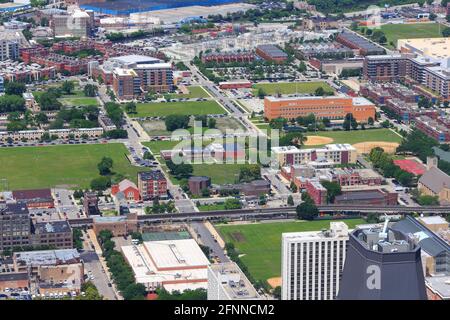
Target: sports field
{"x":181,"y":108}
{"x":357,"y":136}
{"x":73,"y":166}
{"x":260,"y":243}
{"x":291,"y":87}
{"x":394,"y":32}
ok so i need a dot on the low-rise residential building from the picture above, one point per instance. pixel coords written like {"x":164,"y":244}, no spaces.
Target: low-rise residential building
{"x":152,"y":184}
{"x":334,"y":153}
{"x":128,"y":189}
{"x":438,"y":129}
{"x":25,"y":72}
{"x":227,"y":57}
{"x":65,"y":134}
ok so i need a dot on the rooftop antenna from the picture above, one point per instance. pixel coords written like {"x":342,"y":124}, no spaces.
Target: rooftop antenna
{"x":383,"y":234}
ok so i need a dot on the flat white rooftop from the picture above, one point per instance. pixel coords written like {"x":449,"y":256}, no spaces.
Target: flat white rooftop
{"x":172,"y":264}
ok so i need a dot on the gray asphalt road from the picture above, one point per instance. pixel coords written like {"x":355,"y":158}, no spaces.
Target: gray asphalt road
{"x":207,"y":239}
{"x":93,"y":267}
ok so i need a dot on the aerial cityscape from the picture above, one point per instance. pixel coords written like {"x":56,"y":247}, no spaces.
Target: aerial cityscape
{"x":240,"y":150}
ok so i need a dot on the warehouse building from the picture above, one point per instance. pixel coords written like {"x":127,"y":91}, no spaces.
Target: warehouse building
{"x":169,"y":264}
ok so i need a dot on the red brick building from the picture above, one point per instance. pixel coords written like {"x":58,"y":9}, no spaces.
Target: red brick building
{"x":316,"y":191}
{"x":238,"y":84}
{"x":378,"y":197}
{"x":37,"y":198}
{"x":227,"y":57}
{"x":152,"y":184}
{"x":14,"y":280}
{"x":271,"y":52}
{"x":128,"y":189}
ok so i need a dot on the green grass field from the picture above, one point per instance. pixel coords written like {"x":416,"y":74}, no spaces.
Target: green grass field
{"x":357,"y":136}
{"x":78,"y":101}
{"x":211,"y":207}
{"x":291,"y":87}
{"x":260,"y":243}
{"x":194,"y":92}
{"x":74,"y":165}
{"x":181,"y":108}
{"x":394,"y":32}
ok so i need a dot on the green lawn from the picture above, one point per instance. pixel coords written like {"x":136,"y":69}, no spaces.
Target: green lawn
{"x":73,"y":165}
{"x":261,"y":243}
{"x":356,"y":136}
{"x":78,"y":101}
{"x":291,"y":87}
{"x":394,"y":32}
{"x":211,"y":207}
{"x":194,"y":92}
{"x":181,"y":108}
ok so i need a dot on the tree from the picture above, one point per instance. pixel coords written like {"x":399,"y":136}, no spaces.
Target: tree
{"x":135,"y":291}
{"x":175,"y":121}
{"x":232,"y":204}
{"x":290,"y":200}
{"x":278,"y":123}
{"x":277,"y":292}
{"x":67,"y":87}
{"x":349,"y":122}
{"x":205,"y":192}
{"x":292,"y":139}
{"x":249,"y":173}
{"x":130,"y":107}
{"x":372,"y":218}
{"x":446,"y":32}
{"x":307,"y":210}
{"x":211,"y":123}
{"x":261,"y":93}
{"x":90,"y":292}
{"x":105,"y":166}
{"x":16,"y":88}
{"x":426,"y":200}
{"x":100,"y":183}
{"x":116,"y":134}
{"x":319,"y":91}
{"x":27,"y":34}
{"x":90,"y":90}
{"x":148,"y":156}
{"x":333,"y":190}
{"x":180,"y":171}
